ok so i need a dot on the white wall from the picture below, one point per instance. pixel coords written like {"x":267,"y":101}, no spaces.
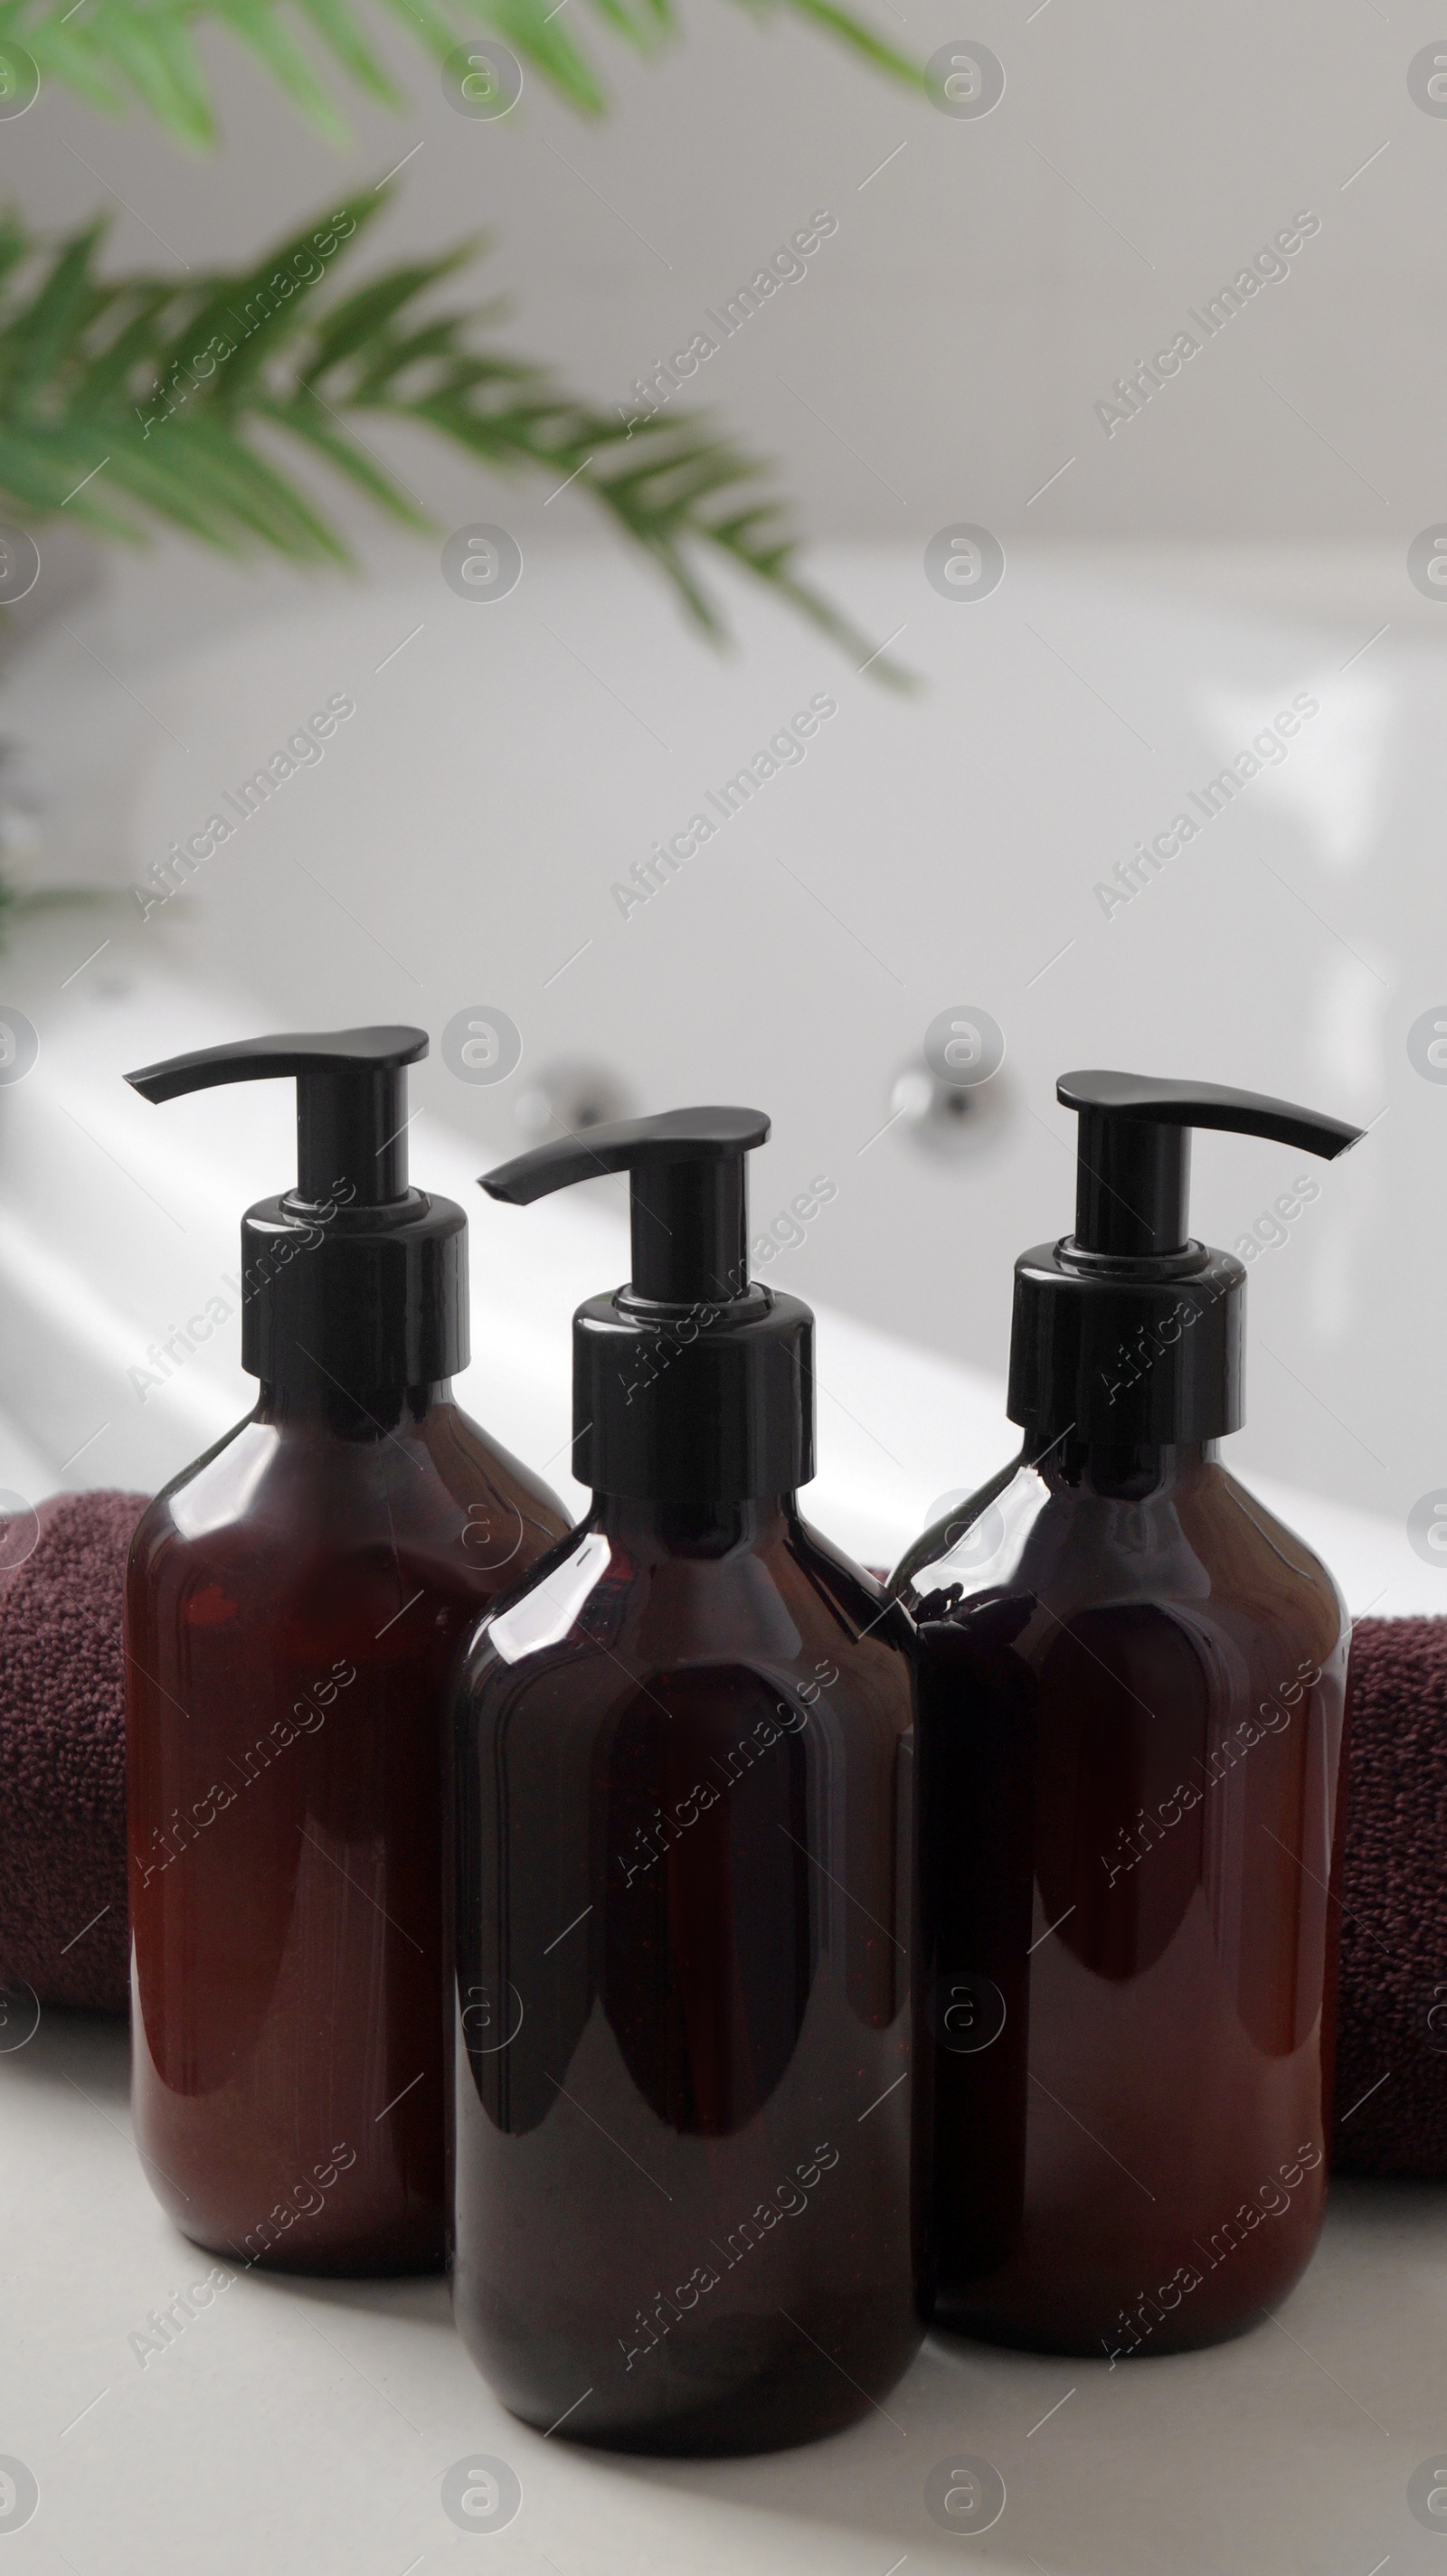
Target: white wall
{"x":945,"y":354}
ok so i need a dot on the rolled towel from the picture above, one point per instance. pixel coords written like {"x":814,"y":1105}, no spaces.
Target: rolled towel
{"x":1391,"y":2083}
{"x":63,"y":1750}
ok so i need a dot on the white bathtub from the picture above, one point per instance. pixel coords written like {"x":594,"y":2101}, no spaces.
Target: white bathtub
{"x":460,"y":839}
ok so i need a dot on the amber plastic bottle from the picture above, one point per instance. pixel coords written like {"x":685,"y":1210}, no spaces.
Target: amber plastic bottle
{"x":1131,"y":1686}
{"x":293,"y":1603}
{"x":681,"y":2034}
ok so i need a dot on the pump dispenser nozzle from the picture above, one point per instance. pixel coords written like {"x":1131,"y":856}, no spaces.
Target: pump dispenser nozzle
{"x":689,"y":1208}
{"x":690,"y":1384}
{"x":351,"y":1277}
{"x":351,"y":1119}
{"x":1127,"y":1331}
{"x":1133,"y":1156}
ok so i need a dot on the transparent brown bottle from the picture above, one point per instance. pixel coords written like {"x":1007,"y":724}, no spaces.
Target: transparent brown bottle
{"x":681,"y":2010}
{"x":293,"y":1604}
{"x":1131,"y":1704}
{"x":682,"y":1986}
{"x":293,"y":1601}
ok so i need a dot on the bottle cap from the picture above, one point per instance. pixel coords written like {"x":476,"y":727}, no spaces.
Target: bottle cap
{"x":690,"y":1384}
{"x":352,"y":1277}
{"x":1127,"y":1331}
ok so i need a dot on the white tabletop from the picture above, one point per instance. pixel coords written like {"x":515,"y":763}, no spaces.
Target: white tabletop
{"x":308,"y":2426}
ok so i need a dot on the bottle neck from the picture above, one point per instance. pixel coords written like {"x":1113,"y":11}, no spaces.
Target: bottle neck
{"x":379,"y":1413}
{"x":1123,"y":1472}
{"x":706,"y":1529}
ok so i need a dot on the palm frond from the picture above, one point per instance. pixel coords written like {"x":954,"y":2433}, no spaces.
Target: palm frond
{"x":120,"y":53}
{"x":132,"y":401}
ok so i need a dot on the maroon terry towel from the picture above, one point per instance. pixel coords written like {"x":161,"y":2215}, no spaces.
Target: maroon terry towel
{"x":63,"y":1753}
{"x":1391,"y":2083}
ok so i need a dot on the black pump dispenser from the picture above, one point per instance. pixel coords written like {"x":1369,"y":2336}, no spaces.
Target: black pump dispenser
{"x":690,"y":1384}
{"x":1127,"y":1331}
{"x":352,"y":1277}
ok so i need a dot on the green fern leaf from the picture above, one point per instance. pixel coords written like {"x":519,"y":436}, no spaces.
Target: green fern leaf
{"x":133,"y":401}
{"x":124,"y":52}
